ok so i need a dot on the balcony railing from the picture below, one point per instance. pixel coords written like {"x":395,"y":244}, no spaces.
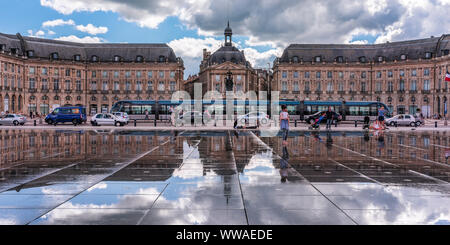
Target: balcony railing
{"x":413,"y":91}
{"x":378,"y":92}
{"x":116,"y":92}
{"x":307,"y":92}
{"x":68,"y":91}
{"x":93,"y":92}
{"x":341,"y":92}
{"x":150,"y":91}
{"x":426,"y":91}
{"x":400,"y":91}
{"x":161,"y":92}
{"x":32,"y":90}
{"x":284,"y":92}
{"x":296,"y":92}
{"x":105,"y":91}
{"x":44,"y":90}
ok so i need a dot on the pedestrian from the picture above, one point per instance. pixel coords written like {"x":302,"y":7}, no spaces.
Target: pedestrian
{"x":146,"y":114}
{"x":31,"y":114}
{"x":381,"y":114}
{"x":284,"y":123}
{"x":366,"y":122}
{"x":329,"y":116}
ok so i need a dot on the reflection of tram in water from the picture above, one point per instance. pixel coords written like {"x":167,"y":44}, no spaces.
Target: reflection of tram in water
{"x":298,"y":110}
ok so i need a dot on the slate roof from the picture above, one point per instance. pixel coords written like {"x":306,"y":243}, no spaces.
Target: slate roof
{"x":43,"y":48}
{"x":413,"y":49}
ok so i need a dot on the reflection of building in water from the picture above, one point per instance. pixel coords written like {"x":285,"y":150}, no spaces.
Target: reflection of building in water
{"x":416,"y":151}
{"x":29,"y":146}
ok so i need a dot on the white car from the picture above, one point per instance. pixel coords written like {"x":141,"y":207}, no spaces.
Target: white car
{"x":13,"y":119}
{"x":123,"y":115}
{"x":402,"y":119}
{"x":107,"y":119}
{"x":262,"y":117}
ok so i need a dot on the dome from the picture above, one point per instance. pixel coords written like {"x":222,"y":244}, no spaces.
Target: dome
{"x":227,"y":53}
{"x":228,"y":29}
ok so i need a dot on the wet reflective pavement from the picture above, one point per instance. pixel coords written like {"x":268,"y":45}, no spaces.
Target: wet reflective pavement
{"x":228,"y":177}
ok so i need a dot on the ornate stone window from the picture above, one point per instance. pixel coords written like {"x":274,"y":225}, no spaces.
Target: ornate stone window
{"x":139,"y":58}
{"x":340,"y":59}
{"x":116,"y":58}
{"x":94,"y":58}
{"x":77,"y":57}
{"x":55,"y":56}
{"x":403,"y":57}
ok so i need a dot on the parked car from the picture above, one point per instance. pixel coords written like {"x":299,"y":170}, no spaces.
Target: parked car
{"x":403,"y":119}
{"x":123,"y":115}
{"x":75,"y":115}
{"x":13,"y":119}
{"x":107,"y":119}
{"x":181,"y":120}
{"x":262,"y":117}
{"x":309,"y":119}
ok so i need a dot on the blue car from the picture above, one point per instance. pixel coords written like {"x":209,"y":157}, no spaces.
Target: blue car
{"x":75,"y":115}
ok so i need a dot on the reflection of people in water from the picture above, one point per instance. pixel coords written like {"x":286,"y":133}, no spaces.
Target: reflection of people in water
{"x":366,"y":137}
{"x":284,"y":165}
{"x":380,"y":138}
{"x":329,"y":143}
{"x":317,"y":136}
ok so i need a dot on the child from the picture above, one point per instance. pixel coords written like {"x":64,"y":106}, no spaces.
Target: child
{"x":284,"y":123}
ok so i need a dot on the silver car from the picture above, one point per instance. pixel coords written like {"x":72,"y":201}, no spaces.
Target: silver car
{"x":402,"y":119}
{"x":13,"y":119}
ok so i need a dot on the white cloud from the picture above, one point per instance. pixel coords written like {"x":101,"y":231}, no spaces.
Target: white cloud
{"x":58,"y":22}
{"x":91,"y":29}
{"x":51,"y":32}
{"x":86,"y":39}
{"x":39,"y":33}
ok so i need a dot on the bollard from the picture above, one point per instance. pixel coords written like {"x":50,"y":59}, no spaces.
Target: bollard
{"x":295,"y":123}
{"x":154,"y":122}
{"x":435,"y":124}
{"x":356,"y":124}
{"x":35,"y":123}
{"x":396,"y":124}
{"x":135,"y":122}
{"x":335,"y":124}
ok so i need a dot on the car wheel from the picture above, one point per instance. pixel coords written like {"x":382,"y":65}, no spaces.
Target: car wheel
{"x":412,"y":124}
{"x":122,"y":124}
{"x":117,"y":124}
{"x":50,"y":121}
{"x":264,"y":121}
{"x":16,"y":123}
{"x":22,"y":124}
{"x":391,"y":124}
{"x":74,"y":122}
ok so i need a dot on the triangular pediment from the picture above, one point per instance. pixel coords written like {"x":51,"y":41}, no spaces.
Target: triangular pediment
{"x":228,"y":66}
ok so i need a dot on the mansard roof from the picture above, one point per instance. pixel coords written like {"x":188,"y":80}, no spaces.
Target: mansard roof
{"x":412,"y":49}
{"x":43,"y":48}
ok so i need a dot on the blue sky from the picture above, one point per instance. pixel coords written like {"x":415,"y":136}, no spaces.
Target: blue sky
{"x":262,"y":28}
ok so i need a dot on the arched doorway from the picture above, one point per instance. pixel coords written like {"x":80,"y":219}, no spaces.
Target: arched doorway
{"x":13,"y":103}
{"x":6,"y":103}
{"x":438,"y":105}
{"x":20,"y":104}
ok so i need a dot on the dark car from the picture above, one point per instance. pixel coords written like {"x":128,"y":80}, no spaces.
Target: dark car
{"x":75,"y":115}
{"x":309,"y":119}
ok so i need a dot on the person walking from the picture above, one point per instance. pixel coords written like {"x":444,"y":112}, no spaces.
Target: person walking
{"x":381,"y":114}
{"x":284,"y":123}
{"x":329,"y":116}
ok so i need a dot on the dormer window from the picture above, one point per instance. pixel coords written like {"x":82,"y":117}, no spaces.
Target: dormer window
{"x":295,"y":59}
{"x":428,"y":55}
{"x":317,"y":59}
{"x":403,"y":57}
{"x":340,"y":59}
{"x":445,"y":51}
{"x":380,"y":59}
{"x":2,"y":47}
{"x":116,"y":58}
{"x":30,"y":53}
{"x":139,"y":58}
{"x":162,"y":58}
{"x":77,"y":57}
{"x":13,"y":51}
{"x":362,"y":59}
{"x":94,"y":58}
{"x":55,"y":56}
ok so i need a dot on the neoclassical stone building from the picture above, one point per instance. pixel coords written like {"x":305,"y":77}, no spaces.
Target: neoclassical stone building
{"x":215,"y":68}
{"x":403,"y":75}
{"x":40,"y":74}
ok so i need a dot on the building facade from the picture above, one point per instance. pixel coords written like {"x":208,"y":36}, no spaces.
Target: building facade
{"x":227,"y":61}
{"x":404,"y":75}
{"x":38,"y":75}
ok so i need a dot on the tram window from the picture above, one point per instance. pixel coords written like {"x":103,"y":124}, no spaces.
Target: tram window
{"x":239,"y":109}
{"x":364,"y":111}
{"x":148,"y":108}
{"x":136,"y":110}
{"x":354,"y":110}
{"x":373,"y":110}
{"x":292,"y":110}
{"x":126,"y":108}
